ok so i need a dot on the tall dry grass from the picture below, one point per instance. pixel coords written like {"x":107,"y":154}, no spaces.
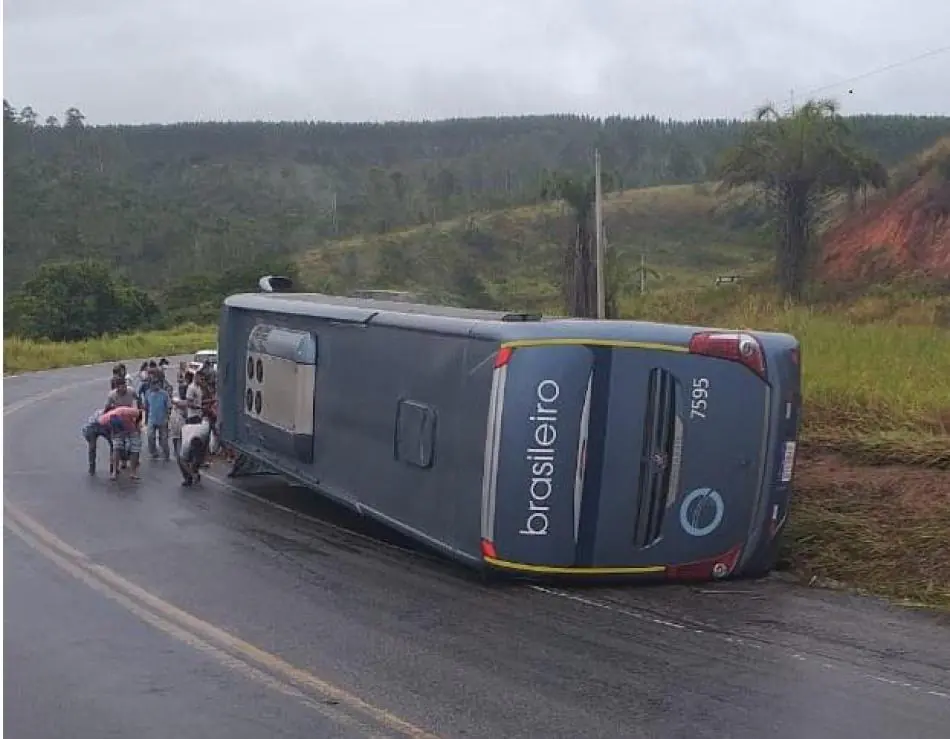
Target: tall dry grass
{"x":26,"y":355}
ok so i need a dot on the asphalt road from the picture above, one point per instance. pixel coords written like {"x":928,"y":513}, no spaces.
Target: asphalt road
{"x":140,"y":610}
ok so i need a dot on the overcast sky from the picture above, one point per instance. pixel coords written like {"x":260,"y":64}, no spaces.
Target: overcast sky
{"x":134,"y":61}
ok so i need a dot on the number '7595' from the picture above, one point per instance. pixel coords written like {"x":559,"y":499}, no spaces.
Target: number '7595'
{"x":699,"y":397}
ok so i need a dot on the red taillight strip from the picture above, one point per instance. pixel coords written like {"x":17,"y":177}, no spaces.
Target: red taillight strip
{"x":503,"y":356}
{"x":735,"y":346}
{"x":488,"y":549}
{"x":715,"y":567}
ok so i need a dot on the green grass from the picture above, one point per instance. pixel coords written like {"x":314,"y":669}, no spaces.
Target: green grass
{"x":878,"y":390}
{"x":872,"y":491}
{"x":876,"y":362}
{"x":877,"y":393}
{"x":686,"y":232}
{"x":24,"y":355}
{"x":883,"y":530}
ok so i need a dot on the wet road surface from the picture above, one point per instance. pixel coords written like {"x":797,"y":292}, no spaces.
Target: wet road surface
{"x":153,"y":610}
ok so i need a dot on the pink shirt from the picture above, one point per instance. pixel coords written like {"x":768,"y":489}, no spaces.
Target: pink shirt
{"x":129,"y":417}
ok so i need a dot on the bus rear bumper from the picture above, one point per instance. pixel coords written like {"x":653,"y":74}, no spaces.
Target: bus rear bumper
{"x":713,"y":568}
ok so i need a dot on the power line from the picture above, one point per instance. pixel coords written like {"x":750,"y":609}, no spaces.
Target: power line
{"x":885,"y":68}
{"x":865,"y":75}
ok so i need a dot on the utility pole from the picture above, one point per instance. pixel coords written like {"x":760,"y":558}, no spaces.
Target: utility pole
{"x":599,"y":236}
{"x":643,"y":273}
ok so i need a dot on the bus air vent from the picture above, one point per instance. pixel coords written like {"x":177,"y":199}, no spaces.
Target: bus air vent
{"x":520,"y":317}
{"x":656,"y":456}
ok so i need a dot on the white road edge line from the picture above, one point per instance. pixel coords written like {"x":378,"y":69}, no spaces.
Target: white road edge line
{"x":709,"y":631}
{"x":234,"y":490}
{"x":741,"y":641}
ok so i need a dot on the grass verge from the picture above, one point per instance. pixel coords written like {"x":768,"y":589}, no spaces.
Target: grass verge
{"x":882,"y":529}
{"x":872,"y":502}
{"x":871,"y":507}
{"x":25,"y":355}
{"x":876,"y":391}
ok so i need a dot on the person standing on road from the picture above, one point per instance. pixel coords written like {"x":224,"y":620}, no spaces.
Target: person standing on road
{"x":176,"y":419}
{"x":180,"y":410}
{"x":119,"y":370}
{"x":121,"y":395}
{"x":195,"y":398}
{"x":158,"y":406}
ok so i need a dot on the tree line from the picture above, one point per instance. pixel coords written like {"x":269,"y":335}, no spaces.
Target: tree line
{"x":187,"y":212}
{"x":156,"y":199}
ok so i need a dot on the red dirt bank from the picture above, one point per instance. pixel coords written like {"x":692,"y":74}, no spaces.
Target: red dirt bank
{"x":906,"y":233}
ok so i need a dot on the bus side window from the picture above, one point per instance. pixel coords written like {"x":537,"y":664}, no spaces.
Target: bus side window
{"x":414,"y":438}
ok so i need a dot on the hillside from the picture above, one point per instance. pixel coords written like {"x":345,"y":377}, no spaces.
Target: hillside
{"x":906,"y":233}
{"x":154,"y":198}
{"x":686,"y":234}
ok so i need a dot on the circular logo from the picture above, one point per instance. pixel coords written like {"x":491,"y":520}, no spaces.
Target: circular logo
{"x":701,"y":512}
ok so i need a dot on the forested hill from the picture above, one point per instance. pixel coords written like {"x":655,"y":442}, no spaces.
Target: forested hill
{"x":164,"y":201}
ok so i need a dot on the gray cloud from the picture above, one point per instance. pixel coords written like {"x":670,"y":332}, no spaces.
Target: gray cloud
{"x":168,"y":60}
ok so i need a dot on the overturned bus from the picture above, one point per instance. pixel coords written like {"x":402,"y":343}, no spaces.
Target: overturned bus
{"x":518,"y":443}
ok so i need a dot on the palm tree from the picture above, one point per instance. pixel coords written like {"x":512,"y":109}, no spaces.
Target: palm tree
{"x":580,"y":278}
{"x":579,"y":287}
{"x":799,"y":160}
{"x":642,"y":272}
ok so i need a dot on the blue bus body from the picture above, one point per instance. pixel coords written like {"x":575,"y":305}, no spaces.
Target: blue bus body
{"x":530,"y":446}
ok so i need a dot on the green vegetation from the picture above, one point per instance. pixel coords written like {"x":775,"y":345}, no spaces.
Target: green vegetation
{"x":874,"y":387}
{"x":876,"y":392}
{"x":26,"y":355}
{"x":880,"y":529}
{"x":458,"y":213}
{"x":68,"y":301}
{"x":799,"y":160}
{"x":514,"y":258}
{"x":166,"y":201}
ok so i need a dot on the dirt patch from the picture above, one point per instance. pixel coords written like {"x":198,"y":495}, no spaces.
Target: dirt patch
{"x":908,"y":233}
{"x":919,"y":492}
{"x":883,"y":528}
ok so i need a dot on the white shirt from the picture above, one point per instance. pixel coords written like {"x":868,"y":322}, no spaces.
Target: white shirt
{"x":194,"y":396}
{"x":195,"y":430}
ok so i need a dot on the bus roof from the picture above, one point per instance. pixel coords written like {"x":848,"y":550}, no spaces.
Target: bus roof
{"x":493,"y":325}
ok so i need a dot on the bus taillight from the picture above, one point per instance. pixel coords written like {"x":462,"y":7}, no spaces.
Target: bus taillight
{"x":503,"y":356}
{"x":735,"y":346}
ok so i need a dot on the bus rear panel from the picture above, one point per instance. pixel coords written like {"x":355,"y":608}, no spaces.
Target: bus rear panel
{"x":626,"y":458}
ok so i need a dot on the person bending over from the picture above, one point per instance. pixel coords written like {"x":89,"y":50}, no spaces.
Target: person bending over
{"x":195,"y":439}
{"x":92,"y":431}
{"x":126,"y":424}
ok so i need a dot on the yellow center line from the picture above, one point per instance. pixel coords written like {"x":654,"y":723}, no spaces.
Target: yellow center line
{"x":173,"y":630}
{"x":227,"y":649}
